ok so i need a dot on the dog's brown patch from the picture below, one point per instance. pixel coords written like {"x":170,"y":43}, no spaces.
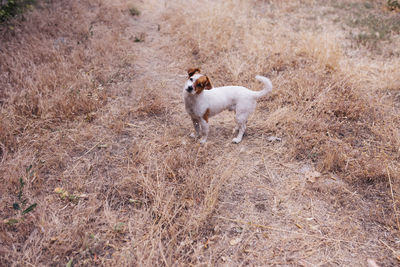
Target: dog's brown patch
{"x":206,"y":114}
{"x":192,"y":71}
{"x":202,"y":83}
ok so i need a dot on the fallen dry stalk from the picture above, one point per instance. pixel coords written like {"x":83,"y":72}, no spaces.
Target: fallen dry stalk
{"x":393,"y":200}
{"x":249,"y":223}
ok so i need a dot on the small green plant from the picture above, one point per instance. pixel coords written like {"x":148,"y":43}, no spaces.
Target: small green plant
{"x":119,"y":227}
{"x":140,"y":38}
{"x":21,"y":202}
{"x":13,"y":7}
{"x":64,"y":194}
{"x":8,"y":10}
{"x":134,"y":11}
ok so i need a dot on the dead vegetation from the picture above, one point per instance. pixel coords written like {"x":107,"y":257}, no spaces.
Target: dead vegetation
{"x":96,"y":116}
{"x":335,"y":117}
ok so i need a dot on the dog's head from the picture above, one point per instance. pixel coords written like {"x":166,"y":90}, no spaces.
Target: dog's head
{"x":197,"y":82}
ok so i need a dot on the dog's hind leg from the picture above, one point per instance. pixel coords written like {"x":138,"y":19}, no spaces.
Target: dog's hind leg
{"x":241,"y":121}
{"x":238,"y":138}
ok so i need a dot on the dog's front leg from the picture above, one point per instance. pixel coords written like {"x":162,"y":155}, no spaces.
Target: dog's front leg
{"x":204,"y":131}
{"x":196,"y":128}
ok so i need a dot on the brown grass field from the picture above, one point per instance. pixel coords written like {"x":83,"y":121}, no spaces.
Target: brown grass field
{"x":97,"y":167}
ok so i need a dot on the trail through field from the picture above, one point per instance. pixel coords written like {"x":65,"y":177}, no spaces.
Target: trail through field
{"x":269,"y":212}
{"x":94,"y":131}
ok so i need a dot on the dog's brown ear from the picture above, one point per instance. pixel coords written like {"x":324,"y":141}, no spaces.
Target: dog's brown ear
{"x":207,"y":84}
{"x":202,"y":83}
{"x":192,"y":71}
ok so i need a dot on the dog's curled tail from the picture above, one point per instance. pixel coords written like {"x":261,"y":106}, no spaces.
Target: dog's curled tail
{"x":267,"y":86}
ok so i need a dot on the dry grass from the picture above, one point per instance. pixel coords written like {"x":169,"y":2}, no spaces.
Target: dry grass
{"x":337,"y":116}
{"x":98,"y":116}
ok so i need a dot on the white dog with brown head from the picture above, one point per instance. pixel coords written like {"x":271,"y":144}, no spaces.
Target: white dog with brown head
{"x":202,"y":101}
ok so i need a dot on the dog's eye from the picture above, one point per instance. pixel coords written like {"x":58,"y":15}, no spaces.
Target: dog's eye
{"x":198,"y":85}
{"x":191,"y":79}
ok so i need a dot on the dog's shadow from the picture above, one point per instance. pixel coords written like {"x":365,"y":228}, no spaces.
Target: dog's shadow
{"x":220,"y":131}
{"x":224,"y":131}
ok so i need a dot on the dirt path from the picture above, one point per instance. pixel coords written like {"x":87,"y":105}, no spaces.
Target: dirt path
{"x":269,"y":211}
{"x":141,"y":191}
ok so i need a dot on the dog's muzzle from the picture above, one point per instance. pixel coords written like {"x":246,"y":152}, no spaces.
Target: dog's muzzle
{"x":189,"y":89}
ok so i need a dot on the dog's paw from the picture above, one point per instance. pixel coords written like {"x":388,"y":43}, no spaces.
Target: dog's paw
{"x":236,"y":140}
{"x":203,"y":140}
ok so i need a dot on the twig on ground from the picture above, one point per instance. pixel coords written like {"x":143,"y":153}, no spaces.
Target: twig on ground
{"x":394,"y":202}
{"x":88,"y":151}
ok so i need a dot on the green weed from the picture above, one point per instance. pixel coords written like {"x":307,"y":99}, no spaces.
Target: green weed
{"x":21,"y":203}
{"x":140,"y":38}
{"x":134,"y":11}
{"x":14,"y":7}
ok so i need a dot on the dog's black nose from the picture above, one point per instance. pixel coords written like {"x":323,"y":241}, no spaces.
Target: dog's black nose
{"x":190,"y":88}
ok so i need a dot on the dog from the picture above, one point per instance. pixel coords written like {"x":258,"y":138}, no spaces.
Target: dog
{"x":202,"y":101}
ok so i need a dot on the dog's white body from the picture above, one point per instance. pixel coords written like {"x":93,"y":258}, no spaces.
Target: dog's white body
{"x":210,"y":102}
